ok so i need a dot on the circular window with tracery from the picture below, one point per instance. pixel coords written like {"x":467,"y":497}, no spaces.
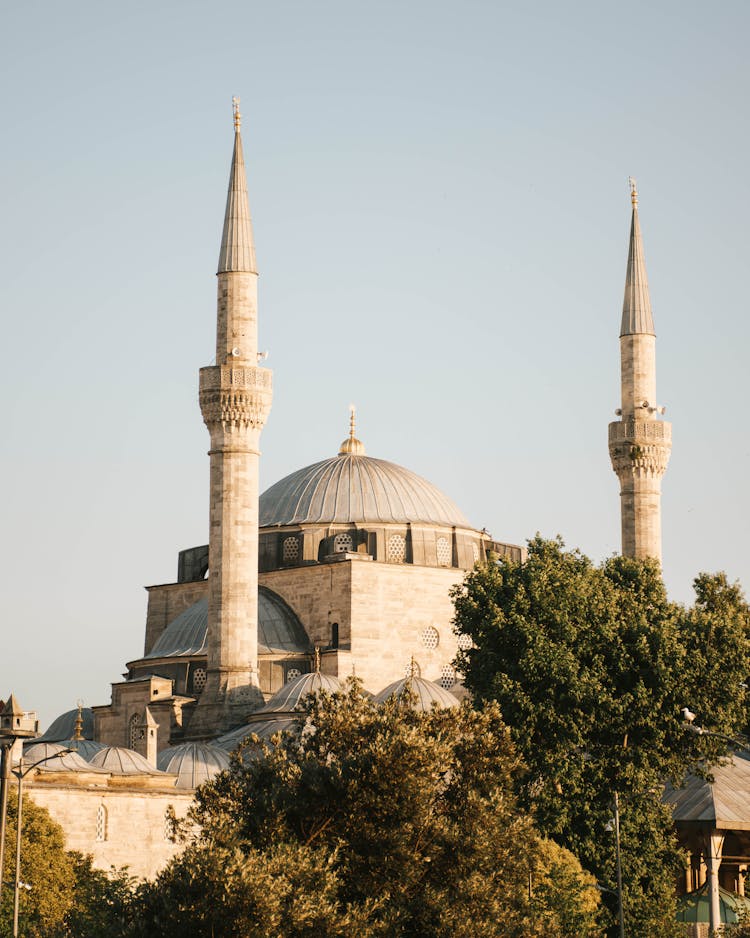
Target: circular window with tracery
{"x":447,"y":676}
{"x":292,"y":673}
{"x":290,"y":549}
{"x":199,"y":680}
{"x":412,"y":669}
{"x":444,"y":553}
{"x":430,"y":637}
{"x":465,"y":642}
{"x":396,"y":548}
{"x":343,"y":543}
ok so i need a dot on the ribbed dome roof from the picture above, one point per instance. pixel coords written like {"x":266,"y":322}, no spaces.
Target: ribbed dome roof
{"x":264,"y":730}
{"x":121,"y":761}
{"x":426,"y":693}
{"x":279,"y":630}
{"x":288,"y":698}
{"x":193,"y":763}
{"x":55,"y":762}
{"x":356,"y":489}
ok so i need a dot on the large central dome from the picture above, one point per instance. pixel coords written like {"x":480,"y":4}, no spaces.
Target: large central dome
{"x":352,"y":488}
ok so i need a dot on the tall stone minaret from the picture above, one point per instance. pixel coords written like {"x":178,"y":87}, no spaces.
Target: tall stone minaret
{"x":235,"y":398}
{"x":639,"y":443}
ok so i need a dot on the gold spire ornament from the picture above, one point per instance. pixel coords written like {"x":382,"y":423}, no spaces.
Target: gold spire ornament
{"x":236,"y":112}
{"x":78,"y":735}
{"x":352,"y":446}
{"x":633,"y":192}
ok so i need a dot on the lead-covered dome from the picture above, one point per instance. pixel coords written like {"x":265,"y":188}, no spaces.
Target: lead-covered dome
{"x":353,"y":488}
{"x":279,"y":630}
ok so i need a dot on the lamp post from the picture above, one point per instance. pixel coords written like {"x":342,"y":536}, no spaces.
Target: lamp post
{"x":20,"y":774}
{"x":15,"y":724}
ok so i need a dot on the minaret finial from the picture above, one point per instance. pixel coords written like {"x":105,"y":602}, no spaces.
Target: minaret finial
{"x":317,"y":659}
{"x":236,"y":112}
{"x":78,"y":736}
{"x":633,"y":192}
{"x":351,"y":445}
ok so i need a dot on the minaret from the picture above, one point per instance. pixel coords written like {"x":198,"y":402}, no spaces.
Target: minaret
{"x":235,"y":398}
{"x":639,"y":443}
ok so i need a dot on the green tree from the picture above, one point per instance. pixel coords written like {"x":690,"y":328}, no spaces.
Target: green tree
{"x":591,"y":667}
{"x":46,"y":867}
{"x":369,"y":821}
{"x":67,"y":897}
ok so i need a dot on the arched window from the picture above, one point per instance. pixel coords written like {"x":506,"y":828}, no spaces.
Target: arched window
{"x":101,"y":824}
{"x":134,"y":730}
{"x":199,"y":680}
{"x":343,"y":543}
{"x":444,"y":552}
{"x":334,"y":635}
{"x":290,"y":549}
{"x":396,"y":548}
{"x":170,"y":824}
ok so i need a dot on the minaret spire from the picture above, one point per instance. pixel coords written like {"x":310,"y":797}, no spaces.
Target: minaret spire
{"x":235,"y":399}
{"x":639,"y":443}
{"x":237,"y":245}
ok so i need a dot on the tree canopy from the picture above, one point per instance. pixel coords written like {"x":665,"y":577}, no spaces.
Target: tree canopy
{"x":375,"y":821}
{"x":591,"y":666}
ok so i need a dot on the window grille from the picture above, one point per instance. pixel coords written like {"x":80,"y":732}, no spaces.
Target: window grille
{"x":101,"y":824}
{"x":199,"y":680}
{"x":290,"y":549}
{"x":444,"y":552}
{"x":430,"y":637}
{"x":134,"y":731}
{"x":396,"y":550}
{"x":343,"y":543}
{"x":447,"y":677}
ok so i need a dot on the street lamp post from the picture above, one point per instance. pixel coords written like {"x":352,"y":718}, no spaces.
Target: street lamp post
{"x":620,"y":909}
{"x":15,"y":724}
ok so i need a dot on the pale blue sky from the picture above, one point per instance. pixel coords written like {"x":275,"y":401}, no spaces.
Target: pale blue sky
{"x":441,"y":216}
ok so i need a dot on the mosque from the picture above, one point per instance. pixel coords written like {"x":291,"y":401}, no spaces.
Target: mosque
{"x":343,"y":567}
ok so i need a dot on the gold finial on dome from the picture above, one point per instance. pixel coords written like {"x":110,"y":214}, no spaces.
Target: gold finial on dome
{"x":351,"y":445}
{"x":633,"y":192}
{"x":78,"y":735}
{"x":236,"y":112}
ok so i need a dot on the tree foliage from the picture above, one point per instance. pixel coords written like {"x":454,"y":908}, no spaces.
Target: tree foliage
{"x":591,"y":666}
{"x":370,"y":821}
{"x":67,"y":897}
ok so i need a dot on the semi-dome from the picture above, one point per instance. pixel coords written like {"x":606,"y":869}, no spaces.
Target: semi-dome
{"x":279,"y":630}
{"x":426,"y":694}
{"x":193,"y":763}
{"x":353,"y":488}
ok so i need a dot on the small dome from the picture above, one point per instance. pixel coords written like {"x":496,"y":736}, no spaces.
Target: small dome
{"x":263,"y":729}
{"x":427,"y":693}
{"x":64,"y":727}
{"x":279,"y":630}
{"x":353,"y":488}
{"x":55,"y":758}
{"x":288,"y":698}
{"x":121,"y":761}
{"x":193,"y":763}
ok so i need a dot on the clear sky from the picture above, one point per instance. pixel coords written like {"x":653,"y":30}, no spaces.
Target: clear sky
{"x":441,"y":212}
